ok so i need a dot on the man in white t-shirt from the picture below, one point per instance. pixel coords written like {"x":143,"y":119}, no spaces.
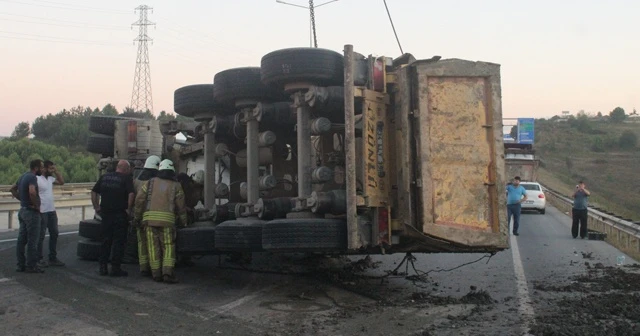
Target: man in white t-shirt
{"x":49,"y":177}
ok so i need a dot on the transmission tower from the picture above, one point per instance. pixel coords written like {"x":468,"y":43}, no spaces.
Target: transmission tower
{"x":141,"y":99}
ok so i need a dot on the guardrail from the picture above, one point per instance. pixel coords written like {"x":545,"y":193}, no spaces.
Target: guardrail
{"x":69,"y":195}
{"x":621,"y":233}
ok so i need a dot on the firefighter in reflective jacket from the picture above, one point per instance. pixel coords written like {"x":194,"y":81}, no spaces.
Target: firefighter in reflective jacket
{"x":149,"y":171}
{"x":159,"y":206}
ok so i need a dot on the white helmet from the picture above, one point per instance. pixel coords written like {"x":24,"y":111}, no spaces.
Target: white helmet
{"x":166,"y":165}
{"x":198,"y":177}
{"x":152,"y":162}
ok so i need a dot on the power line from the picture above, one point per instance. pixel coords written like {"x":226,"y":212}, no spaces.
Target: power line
{"x":44,"y":39}
{"x":60,"y":38}
{"x":392,"y":26}
{"x":63,"y":25}
{"x":64,"y":21}
{"x":89,"y":9}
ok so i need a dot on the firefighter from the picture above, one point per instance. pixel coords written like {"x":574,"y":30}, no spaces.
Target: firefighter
{"x":149,"y":171}
{"x":159,"y":204}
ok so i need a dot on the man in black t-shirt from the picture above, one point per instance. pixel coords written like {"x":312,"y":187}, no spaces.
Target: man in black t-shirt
{"x":116,"y":193}
{"x":26,"y":190}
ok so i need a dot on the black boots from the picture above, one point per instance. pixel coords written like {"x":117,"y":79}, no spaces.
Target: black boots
{"x":104,"y":270}
{"x":116,"y":271}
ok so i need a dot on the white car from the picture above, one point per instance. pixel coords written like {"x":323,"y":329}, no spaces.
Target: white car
{"x":535,"y":197}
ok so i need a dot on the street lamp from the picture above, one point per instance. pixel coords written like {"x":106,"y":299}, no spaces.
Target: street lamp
{"x":310,"y":20}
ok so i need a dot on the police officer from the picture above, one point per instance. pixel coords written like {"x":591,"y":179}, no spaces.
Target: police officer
{"x":115,"y":193}
{"x":158,"y":205}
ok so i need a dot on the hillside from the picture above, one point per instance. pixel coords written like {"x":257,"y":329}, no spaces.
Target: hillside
{"x":593,"y":151}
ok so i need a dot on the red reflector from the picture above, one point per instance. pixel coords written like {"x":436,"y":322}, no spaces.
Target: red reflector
{"x":541,"y":196}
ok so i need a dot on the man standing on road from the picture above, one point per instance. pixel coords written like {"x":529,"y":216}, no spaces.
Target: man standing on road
{"x":115,"y":194}
{"x":149,"y":171}
{"x":26,"y":190}
{"x":158,"y":203}
{"x":516,"y":194}
{"x":46,"y":181}
{"x":579,"y":212}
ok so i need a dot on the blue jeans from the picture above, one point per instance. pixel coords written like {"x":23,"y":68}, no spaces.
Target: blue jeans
{"x":514,"y":210}
{"x":49,"y":221}
{"x":28,"y":237}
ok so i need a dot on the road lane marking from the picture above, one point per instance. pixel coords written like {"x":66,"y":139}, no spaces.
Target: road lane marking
{"x":60,"y":234}
{"x":524,"y":300}
{"x":239,"y":302}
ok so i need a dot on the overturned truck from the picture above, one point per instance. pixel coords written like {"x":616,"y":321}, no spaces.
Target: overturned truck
{"x":316,"y":151}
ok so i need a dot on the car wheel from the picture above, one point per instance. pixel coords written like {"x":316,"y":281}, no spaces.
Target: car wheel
{"x":542,"y":211}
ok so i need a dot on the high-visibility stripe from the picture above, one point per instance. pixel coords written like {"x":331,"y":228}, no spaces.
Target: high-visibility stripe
{"x":159,"y":216}
{"x":154,"y":261}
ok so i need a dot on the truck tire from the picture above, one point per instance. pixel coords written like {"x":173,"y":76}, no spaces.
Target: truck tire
{"x":244,"y":84}
{"x":88,"y":249}
{"x":105,"y":125}
{"x":100,"y":144}
{"x":319,"y":67}
{"x":188,"y":101}
{"x":196,"y":240}
{"x":90,"y":229}
{"x":308,"y":235}
{"x":239,"y":235}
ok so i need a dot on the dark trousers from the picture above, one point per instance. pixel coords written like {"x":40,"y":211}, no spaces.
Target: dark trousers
{"x":514,"y":210}
{"x":579,"y":220}
{"x":114,"y":237}
{"x":28,"y":237}
{"x":49,"y":222}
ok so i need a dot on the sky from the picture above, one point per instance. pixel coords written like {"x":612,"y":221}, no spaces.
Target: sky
{"x":563,"y":55}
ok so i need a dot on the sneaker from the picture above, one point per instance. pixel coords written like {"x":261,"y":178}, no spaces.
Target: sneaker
{"x":516,"y":234}
{"x":43,"y":264}
{"x":34,"y":269}
{"x":170,"y":279}
{"x":55,"y":262}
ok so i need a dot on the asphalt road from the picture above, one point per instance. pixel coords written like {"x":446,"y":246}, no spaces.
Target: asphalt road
{"x":517,"y":291}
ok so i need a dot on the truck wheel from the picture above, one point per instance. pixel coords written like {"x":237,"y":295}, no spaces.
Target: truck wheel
{"x":188,"y":101}
{"x":196,"y":240}
{"x":90,"y":229}
{"x":100,"y":144}
{"x":320,"y":67}
{"x":88,"y":249}
{"x":244,"y":84}
{"x":105,"y":125}
{"x":239,"y":235}
{"x":309,"y":235}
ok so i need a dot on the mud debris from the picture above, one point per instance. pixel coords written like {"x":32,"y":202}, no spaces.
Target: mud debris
{"x":610,"y":305}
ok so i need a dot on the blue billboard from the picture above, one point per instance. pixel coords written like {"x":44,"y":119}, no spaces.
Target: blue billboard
{"x":525,"y":130}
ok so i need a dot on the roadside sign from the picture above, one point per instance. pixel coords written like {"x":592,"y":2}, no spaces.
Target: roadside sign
{"x":525,"y":130}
